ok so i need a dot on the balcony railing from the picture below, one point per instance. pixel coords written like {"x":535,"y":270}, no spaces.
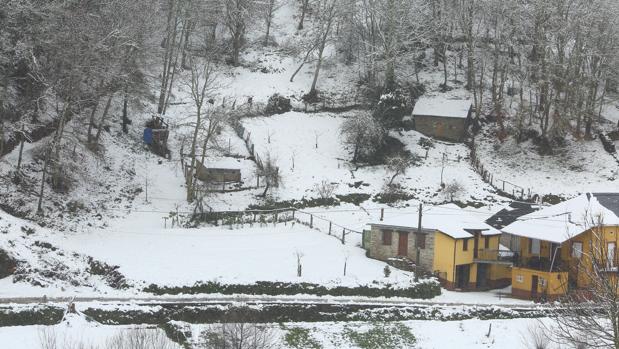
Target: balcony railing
{"x":541,"y":264}
{"x":496,"y":256}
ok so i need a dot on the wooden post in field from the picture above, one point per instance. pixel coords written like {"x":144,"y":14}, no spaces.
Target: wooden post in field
{"x":382,"y":214}
{"x":343,"y":236}
{"x":311,"y":221}
{"x":329,"y":227}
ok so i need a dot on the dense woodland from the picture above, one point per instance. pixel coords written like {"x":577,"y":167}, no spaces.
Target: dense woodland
{"x":66,"y":61}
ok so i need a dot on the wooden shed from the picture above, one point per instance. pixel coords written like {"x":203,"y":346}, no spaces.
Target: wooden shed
{"x":442,"y":118}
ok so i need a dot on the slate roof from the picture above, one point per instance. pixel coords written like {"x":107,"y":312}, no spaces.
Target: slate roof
{"x":510,"y":214}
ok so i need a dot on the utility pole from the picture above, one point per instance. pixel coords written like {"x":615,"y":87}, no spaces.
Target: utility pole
{"x":417,"y":250}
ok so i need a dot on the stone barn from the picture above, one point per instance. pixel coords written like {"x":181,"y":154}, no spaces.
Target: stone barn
{"x":442,"y":118}
{"x":454,"y":244}
{"x":220,"y":171}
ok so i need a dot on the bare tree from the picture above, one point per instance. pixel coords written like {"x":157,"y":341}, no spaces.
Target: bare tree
{"x":239,"y":331}
{"x":202,"y":85}
{"x":237,"y":15}
{"x":304,"y":8}
{"x":269,"y":171}
{"x":398,"y":164}
{"x":453,"y":189}
{"x":326,"y":14}
{"x":268,"y":11}
{"x":325,"y":189}
{"x":364,"y":133}
{"x":591,"y":319}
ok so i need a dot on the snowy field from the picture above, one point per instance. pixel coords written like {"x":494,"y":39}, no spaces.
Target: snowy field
{"x":240,"y":256}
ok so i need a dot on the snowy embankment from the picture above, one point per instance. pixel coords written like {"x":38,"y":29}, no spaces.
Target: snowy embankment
{"x":579,"y":167}
{"x":309,"y":149}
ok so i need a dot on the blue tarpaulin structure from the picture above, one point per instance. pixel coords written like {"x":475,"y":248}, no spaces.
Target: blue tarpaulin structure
{"x":148,"y":135}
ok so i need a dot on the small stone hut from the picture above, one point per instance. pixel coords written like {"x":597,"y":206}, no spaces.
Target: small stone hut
{"x":442,"y":118}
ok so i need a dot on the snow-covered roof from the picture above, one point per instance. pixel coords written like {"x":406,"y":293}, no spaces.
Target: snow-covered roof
{"x":448,"y":219}
{"x":443,"y":107}
{"x":223,"y":162}
{"x":568,"y":219}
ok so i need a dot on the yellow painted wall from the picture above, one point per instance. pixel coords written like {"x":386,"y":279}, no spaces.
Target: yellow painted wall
{"x":500,"y":271}
{"x":556,"y":283}
{"x":464,"y":257}
{"x":579,"y":267}
{"x":444,"y":255}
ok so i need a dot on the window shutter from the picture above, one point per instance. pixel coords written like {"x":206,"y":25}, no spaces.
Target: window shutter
{"x":421,"y":240}
{"x":386,"y":237}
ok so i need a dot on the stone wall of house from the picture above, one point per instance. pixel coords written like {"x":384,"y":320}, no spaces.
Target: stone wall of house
{"x":452,"y":129}
{"x":383,"y":252}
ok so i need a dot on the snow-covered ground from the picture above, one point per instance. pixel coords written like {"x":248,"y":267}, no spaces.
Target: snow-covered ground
{"x":308,"y":148}
{"x":474,"y":333}
{"x":76,"y":332}
{"x":579,"y":167}
{"x":241,"y":256}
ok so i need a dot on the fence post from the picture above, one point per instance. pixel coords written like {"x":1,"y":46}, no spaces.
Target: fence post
{"x":382,"y":214}
{"x":311,"y":221}
{"x":329,"y":227}
{"x":293,"y":211}
{"x":276,"y":217}
{"x":343,"y":236}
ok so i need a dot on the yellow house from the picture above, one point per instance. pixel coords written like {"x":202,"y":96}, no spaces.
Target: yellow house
{"x":559,"y":244}
{"x":453,"y":244}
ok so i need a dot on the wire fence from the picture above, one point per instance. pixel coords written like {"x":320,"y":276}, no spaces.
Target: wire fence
{"x":504,"y":187}
{"x":284,"y":215}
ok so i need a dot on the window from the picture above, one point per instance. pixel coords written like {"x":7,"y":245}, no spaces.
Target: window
{"x":486,"y":242}
{"x":421,"y":240}
{"x":577,"y":249}
{"x":465,"y":244}
{"x":610,"y":251}
{"x":387,"y":237}
{"x":519,"y":278}
{"x":542,"y":282}
{"x":534,"y":246}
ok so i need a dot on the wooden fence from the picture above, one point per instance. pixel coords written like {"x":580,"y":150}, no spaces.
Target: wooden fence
{"x":284,"y":215}
{"x":504,"y":187}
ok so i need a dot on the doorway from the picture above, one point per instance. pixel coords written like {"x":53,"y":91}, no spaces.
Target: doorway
{"x":534,"y":282}
{"x":463,"y":274}
{"x":482,"y":276}
{"x":402,"y":243}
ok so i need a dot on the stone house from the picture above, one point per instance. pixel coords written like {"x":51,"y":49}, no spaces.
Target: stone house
{"x":442,"y":118}
{"x":453,"y":244}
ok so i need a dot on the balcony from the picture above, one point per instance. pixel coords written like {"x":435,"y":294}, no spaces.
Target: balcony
{"x":495,"y":256}
{"x":541,"y":264}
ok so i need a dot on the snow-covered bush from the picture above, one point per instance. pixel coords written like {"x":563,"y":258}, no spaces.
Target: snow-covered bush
{"x":391,"y":108}
{"x":278,"y":104}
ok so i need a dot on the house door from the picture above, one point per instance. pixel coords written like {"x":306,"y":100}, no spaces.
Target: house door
{"x":403,"y":244}
{"x":482,"y":276}
{"x":462,"y":276}
{"x":534,"y":282}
